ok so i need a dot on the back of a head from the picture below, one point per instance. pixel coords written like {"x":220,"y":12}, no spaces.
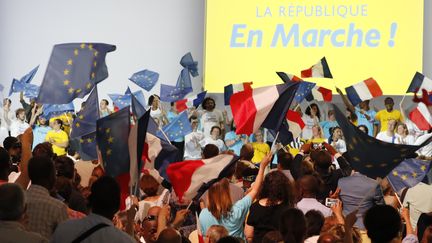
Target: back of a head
{"x":247,"y":152}
{"x":424,"y":222}
{"x":277,"y":188}
{"x":169,"y":235}
{"x":219,"y":198}
{"x":284,"y":159}
{"x":5,"y":164}
{"x":229,"y":239}
{"x":105,"y":197}
{"x":149,"y":185}
{"x":322,"y":159}
{"x":427,"y":235}
{"x":293,"y":225}
{"x":10,"y":142}
{"x":12,"y":202}
{"x":216,"y":232}
{"x":314,"y":222}
{"x":41,"y":171}
{"x":273,"y":237}
{"x":43,"y":149}
{"x":329,"y":238}
{"x":65,"y":167}
{"x":210,"y":151}
{"x":383,"y":223}
{"x":308,"y":185}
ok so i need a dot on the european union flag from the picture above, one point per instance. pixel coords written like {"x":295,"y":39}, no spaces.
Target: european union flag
{"x":184,"y":81}
{"x":137,"y":109}
{"x":146,"y":79}
{"x":304,"y":89}
{"x":178,"y":127}
{"x":285,"y":136}
{"x":408,"y":173}
{"x":28,"y":77}
{"x":31,"y":90}
{"x":87,"y":147}
{"x":122,"y":101}
{"x":85,"y":122}
{"x":188,"y":62}
{"x":170,"y":93}
{"x":72,"y":71}
{"x":370,"y":156}
{"x":112,"y":139}
{"x":50,"y":110}
{"x":16,"y":87}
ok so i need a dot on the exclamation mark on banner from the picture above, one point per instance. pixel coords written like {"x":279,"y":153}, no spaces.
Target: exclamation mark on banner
{"x":393,"y":28}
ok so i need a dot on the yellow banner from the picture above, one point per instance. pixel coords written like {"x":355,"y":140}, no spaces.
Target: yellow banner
{"x":250,"y":40}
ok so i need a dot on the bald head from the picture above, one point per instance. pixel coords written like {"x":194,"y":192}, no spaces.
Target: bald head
{"x":169,"y":235}
{"x":215,"y":232}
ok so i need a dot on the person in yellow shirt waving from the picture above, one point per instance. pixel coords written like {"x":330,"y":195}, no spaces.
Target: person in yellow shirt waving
{"x":261,"y":149}
{"x":58,"y":138}
{"x":384,"y":116}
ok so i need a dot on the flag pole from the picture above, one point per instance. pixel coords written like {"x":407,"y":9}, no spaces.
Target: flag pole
{"x":166,"y":137}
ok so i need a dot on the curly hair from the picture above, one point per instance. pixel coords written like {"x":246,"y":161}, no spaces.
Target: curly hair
{"x":277,"y":188}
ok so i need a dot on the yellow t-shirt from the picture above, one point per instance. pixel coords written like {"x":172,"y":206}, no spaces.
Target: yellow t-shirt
{"x":58,"y":137}
{"x":383,"y":116}
{"x":317,"y":140}
{"x":66,"y":119}
{"x":260,"y":151}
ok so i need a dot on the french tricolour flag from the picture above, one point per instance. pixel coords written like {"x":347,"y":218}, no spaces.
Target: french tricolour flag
{"x":262,"y":107}
{"x":319,"y":70}
{"x":286,"y":77}
{"x":420,"y":82}
{"x":231,"y":89}
{"x":362,"y":91}
{"x":320,"y":94}
{"x":295,"y":123}
{"x":421,"y":117}
{"x":190,"y":102}
{"x":191,"y":178}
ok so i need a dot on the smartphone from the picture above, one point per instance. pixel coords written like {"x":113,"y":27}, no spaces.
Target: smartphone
{"x":330,"y":202}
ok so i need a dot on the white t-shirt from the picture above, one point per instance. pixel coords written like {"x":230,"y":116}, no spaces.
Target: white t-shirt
{"x":408,"y":140}
{"x":3,"y":115}
{"x":192,"y":148}
{"x":18,"y":127}
{"x":157,"y":114}
{"x":386,"y":138}
{"x":309,"y":123}
{"x":210,"y":119}
{"x":340,"y":146}
{"x":208,"y":140}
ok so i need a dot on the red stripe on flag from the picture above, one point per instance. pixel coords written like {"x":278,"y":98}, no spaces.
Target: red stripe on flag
{"x":295,"y":117}
{"x":181,"y":105}
{"x":244,"y":111}
{"x":373,"y":87}
{"x":326,"y":93}
{"x":307,"y":73}
{"x":123,"y":181}
{"x":417,"y":117}
{"x":180,"y":175}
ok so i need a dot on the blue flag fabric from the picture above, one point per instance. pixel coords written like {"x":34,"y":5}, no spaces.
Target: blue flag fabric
{"x":304,"y":89}
{"x":85,"y":122}
{"x":122,"y":101}
{"x":112,"y":139}
{"x":178,"y":127}
{"x":170,"y":93}
{"x":29,"y":76}
{"x":184,"y":81}
{"x":360,"y":147}
{"x":31,"y":90}
{"x":87,"y":147}
{"x":191,"y":65}
{"x":199,"y":99}
{"x":285,"y":137}
{"x":72,"y":71}
{"x":146,"y":79}
{"x":50,"y":110}
{"x":16,"y":87}
{"x":137,"y":109}
{"x":408,"y":173}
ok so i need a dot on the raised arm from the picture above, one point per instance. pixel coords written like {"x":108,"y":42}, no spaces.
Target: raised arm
{"x":260,"y":177}
{"x":346,"y":101}
{"x":26,"y":141}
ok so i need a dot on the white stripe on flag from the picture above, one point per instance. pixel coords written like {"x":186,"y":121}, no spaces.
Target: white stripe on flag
{"x":209,"y":171}
{"x":264,"y":99}
{"x":238,"y":88}
{"x":154,"y":148}
{"x":318,"y":70}
{"x":363,"y":91}
{"x":317,"y":95}
{"x":294,"y":128}
{"x":426,"y":84}
{"x":425,"y":112}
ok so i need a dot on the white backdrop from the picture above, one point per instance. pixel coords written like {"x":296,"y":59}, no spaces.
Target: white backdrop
{"x":151,"y":34}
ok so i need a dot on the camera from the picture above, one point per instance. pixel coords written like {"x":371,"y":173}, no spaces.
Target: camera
{"x":330,"y":202}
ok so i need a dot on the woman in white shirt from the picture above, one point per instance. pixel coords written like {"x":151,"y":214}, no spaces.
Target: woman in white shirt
{"x":403,"y":136}
{"x":310,"y":118}
{"x":337,"y":141}
{"x":214,"y":138}
{"x":156,"y":111}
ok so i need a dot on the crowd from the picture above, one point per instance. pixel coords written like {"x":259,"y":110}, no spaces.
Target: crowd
{"x":306,"y":191}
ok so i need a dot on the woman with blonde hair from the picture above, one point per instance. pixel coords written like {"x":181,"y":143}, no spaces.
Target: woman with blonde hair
{"x":221,"y":210}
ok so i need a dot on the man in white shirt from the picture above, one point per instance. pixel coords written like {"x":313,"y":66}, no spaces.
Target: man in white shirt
{"x":19,"y":125}
{"x":6,"y":117}
{"x":419,"y":200}
{"x":388,"y":135}
{"x":309,"y":187}
{"x":211,"y":117}
{"x":192,"y":149}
